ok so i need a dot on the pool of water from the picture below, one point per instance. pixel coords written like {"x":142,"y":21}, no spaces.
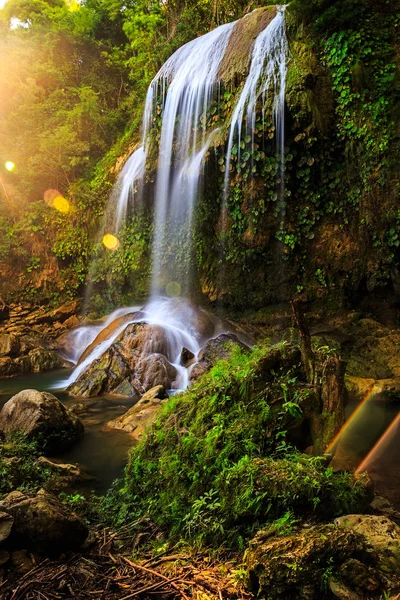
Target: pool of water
{"x":101,"y":453}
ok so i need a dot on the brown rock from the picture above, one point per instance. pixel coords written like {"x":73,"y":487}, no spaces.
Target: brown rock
{"x":42,"y":417}
{"x":72,"y":322}
{"x":187,"y":357}
{"x":42,"y":523}
{"x":214,"y":350}
{"x":140,"y":416}
{"x":9,"y":345}
{"x":155,"y":370}
{"x":6,"y":523}
{"x":381,"y":534}
{"x":107,"y":332}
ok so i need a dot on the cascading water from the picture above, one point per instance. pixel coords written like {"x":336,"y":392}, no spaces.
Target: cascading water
{"x":267,"y":71}
{"x":184,"y":89}
{"x":130,"y":176}
{"x":190,"y":78}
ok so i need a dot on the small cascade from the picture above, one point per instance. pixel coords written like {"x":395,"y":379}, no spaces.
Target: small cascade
{"x":183,"y":325}
{"x":189,"y":78}
{"x":129,"y":184}
{"x":267,"y":72}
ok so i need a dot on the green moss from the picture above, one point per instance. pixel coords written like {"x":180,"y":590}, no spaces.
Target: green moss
{"x":19,"y":469}
{"x":216,"y":466}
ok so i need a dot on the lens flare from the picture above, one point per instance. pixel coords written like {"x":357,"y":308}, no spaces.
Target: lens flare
{"x":50,"y":195}
{"x":380,"y":445}
{"x":56,"y":200}
{"x":173,"y":289}
{"x":9,"y":165}
{"x":61,"y":204}
{"x":110,"y":241}
{"x":374,"y":389}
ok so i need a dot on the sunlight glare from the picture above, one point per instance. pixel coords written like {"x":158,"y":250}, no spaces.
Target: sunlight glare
{"x":110,"y":241}
{"x":9,"y":165}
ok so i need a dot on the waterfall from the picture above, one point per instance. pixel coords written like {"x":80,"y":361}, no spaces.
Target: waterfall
{"x":189,"y":78}
{"x":267,"y":71}
{"x":183,"y":92}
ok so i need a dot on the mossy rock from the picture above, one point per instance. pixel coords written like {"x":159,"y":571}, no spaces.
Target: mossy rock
{"x":298,"y":567}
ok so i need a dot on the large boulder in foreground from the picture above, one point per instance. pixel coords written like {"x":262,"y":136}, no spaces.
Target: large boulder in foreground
{"x":42,"y":417}
{"x":140,"y":416}
{"x":43,"y":524}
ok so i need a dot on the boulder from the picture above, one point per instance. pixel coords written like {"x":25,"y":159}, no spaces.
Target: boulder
{"x":133,"y":364}
{"x":381,"y":534}
{"x":219,"y":348}
{"x":126,"y":389}
{"x":107,"y":332}
{"x":294,"y":566}
{"x":102,"y":375}
{"x":42,"y":523}
{"x":156,"y":370}
{"x":187,"y":357}
{"x":140,"y":416}
{"x":42,"y":417}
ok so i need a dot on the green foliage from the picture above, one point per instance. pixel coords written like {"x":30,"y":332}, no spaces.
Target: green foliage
{"x":215,"y":466}
{"x":19,"y":468}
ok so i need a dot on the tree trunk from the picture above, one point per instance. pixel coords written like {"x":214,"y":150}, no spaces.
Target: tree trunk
{"x":307,"y":355}
{"x":328,"y":424}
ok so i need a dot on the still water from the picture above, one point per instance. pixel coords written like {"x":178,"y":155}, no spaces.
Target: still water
{"x":101,"y":453}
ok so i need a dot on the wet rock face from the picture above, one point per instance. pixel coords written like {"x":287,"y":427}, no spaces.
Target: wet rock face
{"x":42,"y":417}
{"x":42,"y":523}
{"x":156,"y":370}
{"x":136,"y":362}
{"x":105,"y":333}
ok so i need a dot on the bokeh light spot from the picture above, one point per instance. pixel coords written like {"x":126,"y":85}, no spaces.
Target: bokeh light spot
{"x":50,"y":195}
{"x":9,"y":165}
{"x":110,"y":241}
{"x":173,"y":289}
{"x":61,"y":204}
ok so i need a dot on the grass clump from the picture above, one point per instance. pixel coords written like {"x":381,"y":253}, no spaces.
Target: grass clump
{"x":215,"y":466}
